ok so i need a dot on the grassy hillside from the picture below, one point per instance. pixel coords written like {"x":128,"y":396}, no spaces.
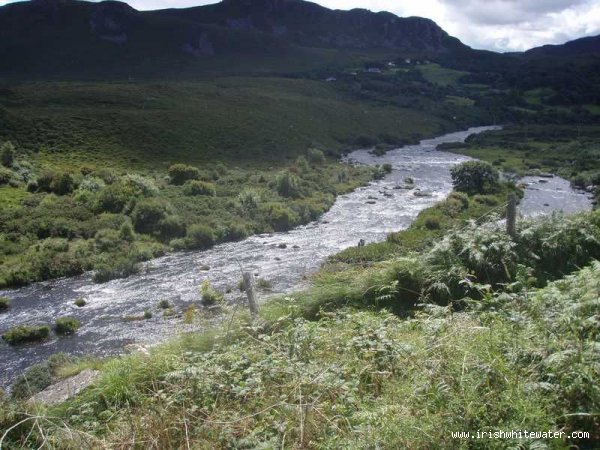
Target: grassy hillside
{"x":226,"y":119}
{"x":330,"y":367}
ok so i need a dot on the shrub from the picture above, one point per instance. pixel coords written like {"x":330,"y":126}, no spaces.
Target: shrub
{"x":287,"y":185}
{"x":6,"y":176}
{"x":35,"y":379}
{"x":315,"y":156}
{"x":302,"y":164}
{"x":139,"y":185}
{"x":235,"y":232}
{"x":197,"y":187}
{"x":475,"y":177}
{"x":180,"y":173}
{"x":121,"y":268}
{"x":91,"y":184}
{"x":80,"y":302}
{"x":171,"y":227}
{"x":126,"y":232}
{"x":147,"y":314}
{"x":106,"y":240}
{"x":261,"y":283}
{"x":26,"y":333}
{"x":148,"y":214}
{"x":66,"y":325}
{"x":124,"y":193}
{"x":164,"y":304}
{"x":280,"y":217}
{"x":7,"y":154}
{"x":387,"y":168}
{"x":62,"y":183}
{"x":248,"y":200}
{"x":4,"y":304}
{"x":208,"y":296}
{"x":432,"y":223}
{"x":199,"y":237}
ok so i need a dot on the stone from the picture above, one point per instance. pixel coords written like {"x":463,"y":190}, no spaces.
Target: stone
{"x":65,"y":389}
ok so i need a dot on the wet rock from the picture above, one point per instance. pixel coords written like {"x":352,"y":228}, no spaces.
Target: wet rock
{"x":542,"y":181}
{"x":370,"y":197}
{"x":277,"y":258}
{"x":282,"y":246}
{"x":546,"y":204}
{"x":418,"y":193}
{"x":296,"y":246}
{"x":204,"y":267}
{"x":65,"y":389}
{"x":370,"y":202}
{"x":137,"y":348}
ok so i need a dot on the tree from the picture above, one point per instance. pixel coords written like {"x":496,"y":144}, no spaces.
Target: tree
{"x":475,"y":177}
{"x":7,"y":154}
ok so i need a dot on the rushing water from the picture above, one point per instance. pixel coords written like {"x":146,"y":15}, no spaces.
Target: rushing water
{"x":284,"y":259}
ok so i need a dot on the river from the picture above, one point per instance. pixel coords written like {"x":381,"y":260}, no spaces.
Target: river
{"x":284,"y":259}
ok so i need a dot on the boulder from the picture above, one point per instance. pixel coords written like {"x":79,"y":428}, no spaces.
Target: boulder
{"x":65,"y":389}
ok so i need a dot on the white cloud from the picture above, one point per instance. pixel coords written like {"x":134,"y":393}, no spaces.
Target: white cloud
{"x":501,"y":25}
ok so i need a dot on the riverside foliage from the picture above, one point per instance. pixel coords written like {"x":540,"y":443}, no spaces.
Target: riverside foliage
{"x":481,"y":339}
{"x":106,"y":220}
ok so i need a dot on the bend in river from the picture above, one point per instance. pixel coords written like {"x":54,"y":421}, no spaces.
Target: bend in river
{"x":284,"y":259}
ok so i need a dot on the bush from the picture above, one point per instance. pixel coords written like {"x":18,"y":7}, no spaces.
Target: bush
{"x":387,"y":168}
{"x":171,"y":227}
{"x":62,"y":183}
{"x":4,"y":304}
{"x":6,"y":176}
{"x":66,"y":325}
{"x":121,"y":268}
{"x":7,"y":154}
{"x":106,"y":240}
{"x":26,"y":333}
{"x":248,"y":200}
{"x":126,"y":232}
{"x":197,"y":187}
{"x":35,"y":379}
{"x":148,"y":213}
{"x":280,"y":217}
{"x":475,"y":177}
{"x":180,"y":173}
{"x":164,"y":304}
{"x":302,"y":164}
{"x":208,"y":296}
{"x":432,"y":223}
{"x":124,"y":193}
{"x":199,"y":237}
{"x":80,"y":302}
{"x":287,"y":185}
{"x":315,"y":156}
{"x":235,"y":232}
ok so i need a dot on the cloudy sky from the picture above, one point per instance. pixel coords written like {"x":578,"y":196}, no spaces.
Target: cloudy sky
{"x":501,"y":25}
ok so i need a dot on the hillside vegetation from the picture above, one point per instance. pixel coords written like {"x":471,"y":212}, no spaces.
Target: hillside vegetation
{"x":484,"y":341}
